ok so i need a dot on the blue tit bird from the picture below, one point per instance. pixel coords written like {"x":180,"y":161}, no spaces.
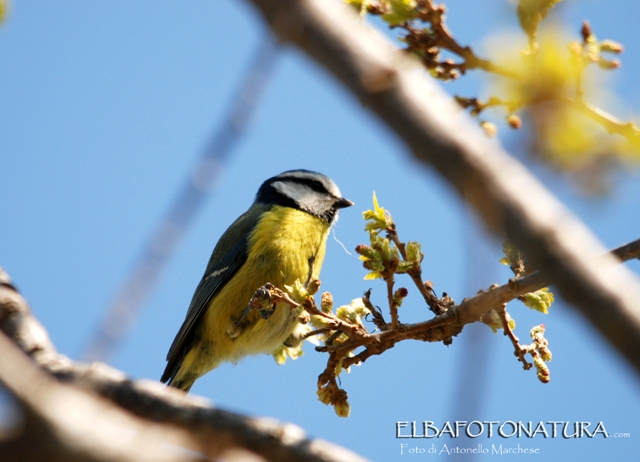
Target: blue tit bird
{"x":280,"y":239}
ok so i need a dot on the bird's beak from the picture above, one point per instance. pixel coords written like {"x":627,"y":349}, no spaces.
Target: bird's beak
{"x":342,"y":203}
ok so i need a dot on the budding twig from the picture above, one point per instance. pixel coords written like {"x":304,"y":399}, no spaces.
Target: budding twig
{"x":428,"y":42}
{"x":519,"y":351}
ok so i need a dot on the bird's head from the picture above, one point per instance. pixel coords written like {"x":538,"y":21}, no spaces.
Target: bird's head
{"x":304,"y":190}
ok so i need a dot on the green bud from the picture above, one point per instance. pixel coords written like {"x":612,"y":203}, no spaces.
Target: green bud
{"x":358,"y":307}
{"x":514,"y":121}
{"x":400,"y":11}
{"x":543,"y":370}
{"x":413,"y":252}
{"x":512,"y":256}
{"x":342,"y":408}
{"x":384,"y":247}
{"x":609,"y":46}
{"x":399,"y":296}
{"x":575,"y":48}
{"x":489,"y":128}
{"x":372,"y":265}
{"x":545,"y":353}
{"x":492,"y":319}
{"x":324,"y":394}
{"x":283,"y":352}
{"x":544,"y":377}
{"x":537,"y":330}
{"x":326,"y":302}
{"x":319,"y":322}
{"x":297,"y":291}
{"x":404,"y":266}
{"x":540,"y":300}
{"x":313,"y":286}
{"x":593,"y":51}
{"x":607,"y":65}
{"x":344,"y":313}
{"x":367,"y":253}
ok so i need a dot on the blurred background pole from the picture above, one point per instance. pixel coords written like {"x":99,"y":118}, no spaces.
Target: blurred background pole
{"x":168,"y":234}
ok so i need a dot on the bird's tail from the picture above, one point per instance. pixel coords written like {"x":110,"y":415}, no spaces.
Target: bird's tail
{"x":172,"y":377}
{"x":184,"y":383}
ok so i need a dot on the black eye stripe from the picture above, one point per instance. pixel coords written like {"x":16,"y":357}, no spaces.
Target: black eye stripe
{"x":313,"y":184}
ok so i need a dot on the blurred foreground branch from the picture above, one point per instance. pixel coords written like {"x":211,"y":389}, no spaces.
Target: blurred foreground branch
{"x":98,"y":414}
{"x":509,"y":200}
{"x":96,"y":430}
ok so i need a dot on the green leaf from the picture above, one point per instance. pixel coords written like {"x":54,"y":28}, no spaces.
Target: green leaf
{"x":414,"y":254}
{"x":361,"y":5}
{"x":283,"y":352}
{"x":377,"y":219}
{"x":540,"y":300}
{"x":511,"y":254}
{"x":401,"y":11}
{"x":297,"y":291}
{"x":373,"y":275}
{"x":404,"y":266}
{"x":531,"y":12}
{"x":492,"y":319}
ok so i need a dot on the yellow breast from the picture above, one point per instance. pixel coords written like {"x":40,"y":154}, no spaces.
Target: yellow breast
{"x":281,"y":246}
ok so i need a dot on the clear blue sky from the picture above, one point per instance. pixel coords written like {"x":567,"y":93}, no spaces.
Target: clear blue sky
{"x":105,"y":106}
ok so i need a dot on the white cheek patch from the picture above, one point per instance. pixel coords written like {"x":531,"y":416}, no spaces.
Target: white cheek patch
{"x":296,"y":191}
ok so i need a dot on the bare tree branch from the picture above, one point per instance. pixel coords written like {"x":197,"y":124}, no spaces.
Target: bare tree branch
{"x":628,"y":251}
{"x":210,"y":431}
{"x":63,"y":423}
{"x":510,"y":201}
{"x":347,"y":340}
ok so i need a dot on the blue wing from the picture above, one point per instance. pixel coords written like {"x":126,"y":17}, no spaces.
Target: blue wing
{"x":227,"y":258}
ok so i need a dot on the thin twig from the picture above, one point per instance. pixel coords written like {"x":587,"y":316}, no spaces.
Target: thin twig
{"x":440,"y":37}
{"x":519,"y":351}
{"x":608,"y":121}
{"x":416,"y":274}
{"x":392,"y":306}
{"x":378,"y":318}
{"x":434,"y":15}
{"x":324,"y":330}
